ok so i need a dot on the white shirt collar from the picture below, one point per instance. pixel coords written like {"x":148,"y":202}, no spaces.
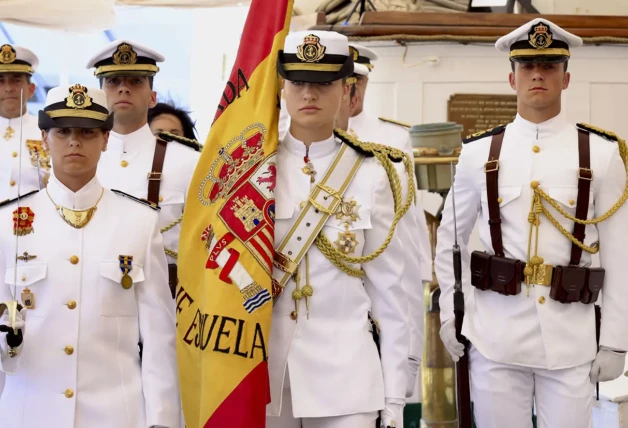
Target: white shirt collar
{"x":15,"y":121}
{"x":318,"y":149}
{"x":85,"y":198}
{"x":540,"y":131}
{"x":129,"y":142}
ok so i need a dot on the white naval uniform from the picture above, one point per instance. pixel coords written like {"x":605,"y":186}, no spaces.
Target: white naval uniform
{"x":536,"y":335}
{"x":10,"y":157}
{"x":333,"y":364}
{"x":109,"y":385}
{"x":136,"y":150}
{"x":412,"y":228}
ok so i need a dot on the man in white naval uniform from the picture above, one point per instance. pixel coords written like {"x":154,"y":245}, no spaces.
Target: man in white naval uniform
{"x":417,"y":242}
{"x":136,"y":162}
{"x":17,"y":65}
{"x":325,"y":370}
{"x":91,"y":276}
{"x":531,"y":327}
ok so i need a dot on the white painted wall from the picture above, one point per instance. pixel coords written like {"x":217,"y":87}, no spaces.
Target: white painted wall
{"x":582,"y":7}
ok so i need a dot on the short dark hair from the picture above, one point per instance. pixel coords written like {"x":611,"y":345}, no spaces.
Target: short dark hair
{"x":151,"y":80}
{"x":512,"y":65}
{"x":189,"y":130}
{"x":352,"y":91}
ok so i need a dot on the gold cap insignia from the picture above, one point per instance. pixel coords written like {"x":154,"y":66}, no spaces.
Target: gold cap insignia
{"x":78,"y":97}
{"x":354,"y":53}
{"x":311,"y":50}
{"x":124,"y":55}
{"x":540,"y":36}
{"x":7,"y":54}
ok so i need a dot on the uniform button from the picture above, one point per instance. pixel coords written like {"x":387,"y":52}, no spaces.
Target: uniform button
{"x":536,"y":149}
{"x":541,"y":300}
{"x":124,"y":164}
{"x":293,"y":315}
{"x":24,"y":279}
{"x":499,"y":200}
{"x":534,"y":184}
{"x":302,"y":204}
{"x":69,"y":393}
{"x":74,"y":260}
{"x":161,"y":199}
{"x":12,"y":183}
{"x":14,"y":154}
{"x":71,"y":304}
{"x":69,"y":350}
{"x":572,"y":202}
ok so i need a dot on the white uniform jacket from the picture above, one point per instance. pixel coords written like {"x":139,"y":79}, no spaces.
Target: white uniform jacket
{"x":332,"y":358}
{"x":11,"y":156}
{"x":534,"y":330}
{"x":128,"y":161}
{"x":79,"y":366}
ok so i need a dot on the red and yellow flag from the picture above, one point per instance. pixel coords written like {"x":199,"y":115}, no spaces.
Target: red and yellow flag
{"x":224,"y":299}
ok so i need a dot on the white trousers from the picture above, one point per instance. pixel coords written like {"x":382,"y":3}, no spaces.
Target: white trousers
{"x":287,"y":420}
{"x":503,"y":395}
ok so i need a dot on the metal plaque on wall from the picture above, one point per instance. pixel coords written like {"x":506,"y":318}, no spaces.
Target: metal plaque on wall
{"x":478,"y":112}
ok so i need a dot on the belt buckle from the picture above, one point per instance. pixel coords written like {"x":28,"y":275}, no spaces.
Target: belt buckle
{"x":154,"y":176}
{"x":543,"y":275}
{"x":494,"y":162}
{"x":588,"y":174}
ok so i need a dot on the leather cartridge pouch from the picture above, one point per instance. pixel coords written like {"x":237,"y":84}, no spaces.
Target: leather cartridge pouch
{"x":591,"y":292}
{"x":481,"y":270}
{"x":506,"y":276}
{"x":567,"y":283}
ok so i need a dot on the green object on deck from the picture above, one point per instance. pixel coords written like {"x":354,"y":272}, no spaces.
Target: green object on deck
{"x":412,"y":416}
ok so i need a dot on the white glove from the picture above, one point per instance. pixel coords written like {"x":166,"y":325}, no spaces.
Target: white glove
{"x":608,"y":365}
{"x":19,"y":324}
{"x":413,"y":371}
{"x":448,"y":336}
{"x":392,"y":415}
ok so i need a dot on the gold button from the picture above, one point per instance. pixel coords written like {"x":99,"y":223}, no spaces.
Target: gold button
{"x":293,"y":315}
{"x":71,"y":304}
{"x":69,"y":350}
{"x":124,"y":164}
{"x":69,"y":393}
{"x":302,"y":204}
{"x":536,"y":149}
{"x":499,"y":200}
{"x":12,"y":183}
{"x":534,"y":184}
{"x":572,"y":202}
{"x":74,"y":260}
{"x":541,"y":300}
{"x":14,"y":154}
{"x":161,"y":199}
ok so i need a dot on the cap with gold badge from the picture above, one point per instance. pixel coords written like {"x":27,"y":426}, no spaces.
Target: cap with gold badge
{"x":315,"y":56}
{"x":16,"y":59}
{"x":363,"y":56}
{"x":125,"y":58}
{"x":76,"y":106}
{"x":540,"y":40}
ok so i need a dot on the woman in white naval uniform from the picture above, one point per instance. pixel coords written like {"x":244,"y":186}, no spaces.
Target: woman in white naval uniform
{"x":91,"y":275}
{"x":325,"y":371}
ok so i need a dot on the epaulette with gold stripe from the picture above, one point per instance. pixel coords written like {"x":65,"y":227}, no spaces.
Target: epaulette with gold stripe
{"x":141,"y":201}
{"x":168,"y":137}
{"x":396,"y":122}
{"x":611,"y":136}
{"x":485,"y":133}
{"x":10,"y":201}
{"x":369,"y":149}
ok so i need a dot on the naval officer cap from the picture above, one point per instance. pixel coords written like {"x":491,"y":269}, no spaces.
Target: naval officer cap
{"x":363,"y":56}
{"x":125,"y":58}
{"x":16,"y":59}
{"x":539,"y":40}
{"x":76,"y":106}
{"x":315,"y":56}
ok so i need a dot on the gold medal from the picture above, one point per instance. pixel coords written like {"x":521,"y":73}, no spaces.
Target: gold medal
{"x":8,"y":133}
{"x":126,"y":282}
{"x":28,"y":298}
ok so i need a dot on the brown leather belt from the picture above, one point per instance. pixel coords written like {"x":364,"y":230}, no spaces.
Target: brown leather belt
{"x":154,"y":177}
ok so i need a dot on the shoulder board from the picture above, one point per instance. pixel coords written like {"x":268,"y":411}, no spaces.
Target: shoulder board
{"x":396,"y":122}
{"x":611,"y":136}
{"x":368,"y":149}
{"x":168,"y":137}
{"x":141,"y":201}
{"x":10,"y":201}
{"x":493,"y":131}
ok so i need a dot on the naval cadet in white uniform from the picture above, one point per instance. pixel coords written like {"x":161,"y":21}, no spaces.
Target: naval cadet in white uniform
{"x":325,"y":369}
{"x":90,"y":273}
{"x":17,"y":65}
{"x":532,"y":325}
{"x":136,"y":162}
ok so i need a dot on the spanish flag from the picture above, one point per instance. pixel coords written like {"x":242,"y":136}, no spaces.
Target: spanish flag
{"x":224,"y":298}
